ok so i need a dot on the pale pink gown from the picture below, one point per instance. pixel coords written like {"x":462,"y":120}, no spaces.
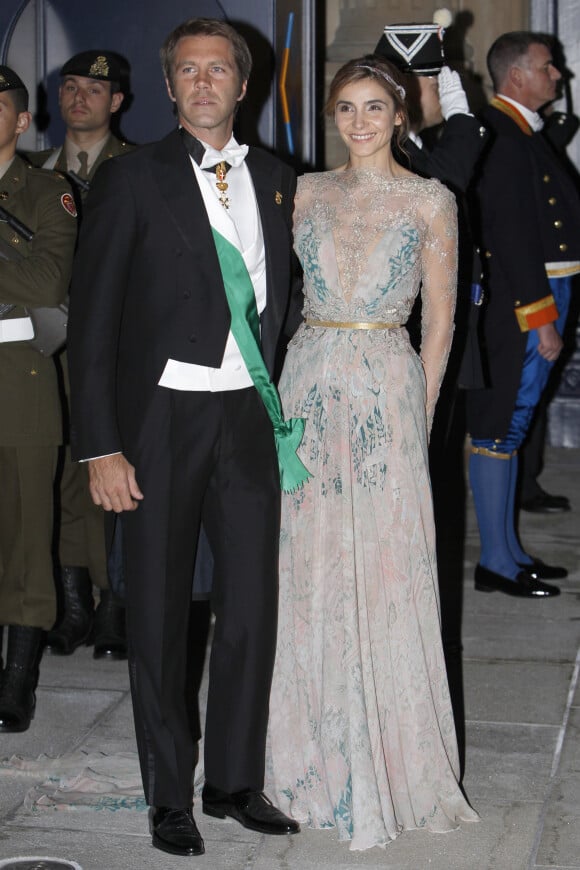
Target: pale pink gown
{"x":361,"y":733}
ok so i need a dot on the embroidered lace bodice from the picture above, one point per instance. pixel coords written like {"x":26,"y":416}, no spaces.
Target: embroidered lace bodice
{"x":369,"y":243}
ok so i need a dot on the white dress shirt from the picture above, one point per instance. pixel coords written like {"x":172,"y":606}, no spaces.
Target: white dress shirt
{"x":241,"y":222}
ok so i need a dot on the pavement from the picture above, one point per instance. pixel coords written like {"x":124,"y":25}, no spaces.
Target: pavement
{"x":70,"y":789}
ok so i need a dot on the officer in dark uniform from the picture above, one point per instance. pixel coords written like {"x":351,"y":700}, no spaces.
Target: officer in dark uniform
{"x":530,"y":220}
{"x":90,"y":95}
{"x":37,"y":239}
{"x":437,"y":101}
{"x":435,"y":97}
{"x":559,"y":129}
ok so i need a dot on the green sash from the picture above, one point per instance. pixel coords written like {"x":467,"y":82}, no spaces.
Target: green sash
{"x":245,"y":328}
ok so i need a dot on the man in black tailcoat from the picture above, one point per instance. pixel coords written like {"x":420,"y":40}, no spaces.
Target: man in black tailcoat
{"x":175,"y":431}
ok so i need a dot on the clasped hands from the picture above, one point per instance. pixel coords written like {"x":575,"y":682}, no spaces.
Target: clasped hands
{"x":112,"y":483}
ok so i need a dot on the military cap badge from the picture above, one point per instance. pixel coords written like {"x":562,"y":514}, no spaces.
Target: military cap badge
{"x":100,"y":68}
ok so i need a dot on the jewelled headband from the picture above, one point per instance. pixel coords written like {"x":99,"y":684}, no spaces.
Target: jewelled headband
{"x":399,"y":89}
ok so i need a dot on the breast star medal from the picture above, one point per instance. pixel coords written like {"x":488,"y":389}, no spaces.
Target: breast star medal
{"x":221,"y":171}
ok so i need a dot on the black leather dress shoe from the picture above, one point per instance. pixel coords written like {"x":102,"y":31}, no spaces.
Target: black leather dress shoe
{"x":175,"y":831}
{"x":541,"y":571}
{"x":524,"y":586}
{"x":252,"y":809}
{"x":544,"y":503}
{"x":109,"y":628}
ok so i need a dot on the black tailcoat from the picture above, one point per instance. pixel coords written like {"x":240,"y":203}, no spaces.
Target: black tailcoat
{"x":147,"y":287}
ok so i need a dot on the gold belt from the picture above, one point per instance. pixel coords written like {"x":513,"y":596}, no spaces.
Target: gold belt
{"x":356,"y":324}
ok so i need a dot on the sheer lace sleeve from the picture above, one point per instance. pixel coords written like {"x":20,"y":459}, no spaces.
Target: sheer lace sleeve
{"x":303,"y":198}
{"x":439,"y":286}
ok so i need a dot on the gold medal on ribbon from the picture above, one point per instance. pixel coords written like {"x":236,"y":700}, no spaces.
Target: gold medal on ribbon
{"x":221,"y":171}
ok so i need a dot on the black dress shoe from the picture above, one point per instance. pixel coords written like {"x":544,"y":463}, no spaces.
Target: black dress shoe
{"x":524,"y":586}
{"x":175,"y":831}
{"x":252,"y":809}
{"x":109,"y":628}
{"x":540,"y":570}
{"x":544,"y":503}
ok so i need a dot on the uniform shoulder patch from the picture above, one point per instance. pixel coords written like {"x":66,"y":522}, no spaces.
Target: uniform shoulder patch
{"x":68,"y":204}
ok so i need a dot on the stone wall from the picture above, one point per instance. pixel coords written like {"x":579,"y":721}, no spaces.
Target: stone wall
{"x":355,"y":26}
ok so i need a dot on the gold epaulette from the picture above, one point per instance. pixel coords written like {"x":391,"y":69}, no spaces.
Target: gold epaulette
{"x":536,"y":313}
{"x":512,"y":112}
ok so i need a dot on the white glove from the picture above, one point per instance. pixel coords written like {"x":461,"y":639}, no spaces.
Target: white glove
{"x":451,"y":94}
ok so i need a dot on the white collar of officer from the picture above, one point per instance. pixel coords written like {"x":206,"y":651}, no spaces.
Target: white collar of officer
{"x":533,"y":118}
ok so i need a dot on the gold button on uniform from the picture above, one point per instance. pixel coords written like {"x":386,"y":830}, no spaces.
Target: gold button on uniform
{"x":558,"y":225}
{"x":563,"y":247}
{"x":552,"y":200}
{"x":546,"y":178}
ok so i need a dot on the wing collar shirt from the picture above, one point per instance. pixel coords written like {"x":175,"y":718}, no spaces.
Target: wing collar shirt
{"x":243,"y":213}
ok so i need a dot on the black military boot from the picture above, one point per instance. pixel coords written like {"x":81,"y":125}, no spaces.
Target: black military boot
{"x":75,"y":625}
{"x":110,"y":632}
{"x":19,"y":678}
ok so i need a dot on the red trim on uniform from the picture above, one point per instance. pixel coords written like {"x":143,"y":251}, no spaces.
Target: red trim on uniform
{"x":536,"y":314}
{"x":513,"y":113}
{"x":540,"y":318}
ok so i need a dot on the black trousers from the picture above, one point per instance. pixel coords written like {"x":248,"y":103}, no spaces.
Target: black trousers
{"x":210,"y":457}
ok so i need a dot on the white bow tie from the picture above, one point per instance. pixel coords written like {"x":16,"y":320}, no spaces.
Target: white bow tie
{"x":233,"y":154}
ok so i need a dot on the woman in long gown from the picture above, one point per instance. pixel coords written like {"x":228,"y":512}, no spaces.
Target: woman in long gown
{"x":361,"y":731}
